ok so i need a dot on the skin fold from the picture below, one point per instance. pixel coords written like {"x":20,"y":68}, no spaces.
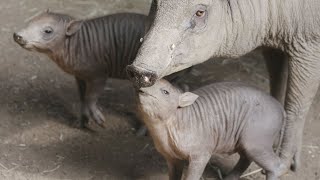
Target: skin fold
{"x":218,"y":118}
{"x":186,"y":32}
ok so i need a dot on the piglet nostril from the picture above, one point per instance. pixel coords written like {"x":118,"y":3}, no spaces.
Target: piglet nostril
{"x":15,"y":36}
{"x":18,"y":38}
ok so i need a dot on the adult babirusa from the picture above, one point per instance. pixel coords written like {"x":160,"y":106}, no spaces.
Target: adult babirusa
{"x":187,"y":32}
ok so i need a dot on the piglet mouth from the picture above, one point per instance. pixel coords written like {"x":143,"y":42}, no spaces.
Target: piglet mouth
{"x":24,"y":43}
{"x":27,"y":46}
{"x":142,"y":92}
{"x":35,"y":47}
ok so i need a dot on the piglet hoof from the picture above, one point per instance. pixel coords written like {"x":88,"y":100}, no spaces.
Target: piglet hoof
{"x":97,"y":116}
{"x":231,"y":177}
{"x":80,"y":123}
{"x":92,"y":113}
{"x":142,"y":131}
{"x":295,"y":164}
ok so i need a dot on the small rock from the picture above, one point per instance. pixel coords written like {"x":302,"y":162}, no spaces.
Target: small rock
{"x":34,"y":77}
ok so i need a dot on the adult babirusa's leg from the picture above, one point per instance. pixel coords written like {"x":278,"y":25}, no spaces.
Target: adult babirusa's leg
{"x":277,"y":64}
{"x":303,"y":82}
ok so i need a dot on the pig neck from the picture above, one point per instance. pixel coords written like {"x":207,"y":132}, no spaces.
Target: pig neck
{"x":79,"y":54}
{"x":159,"y":131}
{"x":64,"y":57}
{"x":77,"y":57}
{"x":285,"y":24}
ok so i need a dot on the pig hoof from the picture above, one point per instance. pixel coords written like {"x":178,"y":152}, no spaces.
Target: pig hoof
{"x":97,"y":116}
{"x":295,"y":164}
{"x":282,"y":170}
{"x":80,"y":123}
{"x":294,"y":167}
{"x":231,"y":177}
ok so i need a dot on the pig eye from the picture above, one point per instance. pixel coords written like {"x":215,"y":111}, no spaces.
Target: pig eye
{"x":165,"y":92}
{"x":199,"y":18}
{"x":48,"y":30}
{"x":200,"y":13}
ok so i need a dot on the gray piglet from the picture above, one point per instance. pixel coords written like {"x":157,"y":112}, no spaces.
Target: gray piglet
{"x":219,"y":118}
{"x":92,"y":50}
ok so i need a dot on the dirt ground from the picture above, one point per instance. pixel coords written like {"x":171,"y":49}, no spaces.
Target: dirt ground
{"x":39,"y":102}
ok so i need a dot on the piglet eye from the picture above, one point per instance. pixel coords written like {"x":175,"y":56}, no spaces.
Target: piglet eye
{"x":200,"y":13}
{"x":165,"y":92}
{"x":48,"y":30}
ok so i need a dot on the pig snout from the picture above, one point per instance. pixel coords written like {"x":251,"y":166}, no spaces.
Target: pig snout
{"x":141,"y":77}
{"x":19,"y":39}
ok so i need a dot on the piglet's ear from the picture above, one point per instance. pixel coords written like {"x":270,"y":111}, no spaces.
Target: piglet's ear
{"x":187,"y":98}
{"x":73,"y":26}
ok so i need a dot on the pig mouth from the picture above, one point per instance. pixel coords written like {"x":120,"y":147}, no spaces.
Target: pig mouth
{"x":28,"y":46}
{"x":34,"y":46}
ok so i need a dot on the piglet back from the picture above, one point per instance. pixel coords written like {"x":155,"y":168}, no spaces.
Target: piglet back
{"x":110,"y":41}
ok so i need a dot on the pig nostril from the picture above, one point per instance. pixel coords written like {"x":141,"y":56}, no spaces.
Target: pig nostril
{"x":146,"y":79}
{"x":130,"y":72}
{"x":18,"y":38}
{"x":141,"y":78}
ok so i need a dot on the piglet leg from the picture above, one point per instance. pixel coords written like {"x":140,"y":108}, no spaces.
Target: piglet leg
{"x":196,"y":167}
{"x":90,"y":91}
{"x":175,"y":168}
{"x":240,"y":167}
{"x":266,"y":158}
{"x":82,"y":92}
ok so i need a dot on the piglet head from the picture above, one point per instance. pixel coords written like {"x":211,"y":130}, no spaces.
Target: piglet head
{"x":162,"y":100}
{"x":46,"y":32}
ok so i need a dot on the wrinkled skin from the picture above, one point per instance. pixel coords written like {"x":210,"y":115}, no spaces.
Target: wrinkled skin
{"x":188,"y":32}
{"x":218,"y":118}
{"x":91,"y":50}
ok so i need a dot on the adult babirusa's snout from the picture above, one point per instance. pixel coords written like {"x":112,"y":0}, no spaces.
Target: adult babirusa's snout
{"x":141,"y":77}
{"x":19,"y":39}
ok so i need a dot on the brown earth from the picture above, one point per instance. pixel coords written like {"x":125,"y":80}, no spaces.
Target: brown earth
{"x":38,"y":103}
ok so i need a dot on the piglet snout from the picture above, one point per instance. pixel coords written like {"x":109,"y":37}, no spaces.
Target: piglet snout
{"x":19,"y":39}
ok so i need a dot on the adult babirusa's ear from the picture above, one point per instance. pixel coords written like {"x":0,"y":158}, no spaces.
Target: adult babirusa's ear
{"x":187,"y":98}
{"x":73,"y":26}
